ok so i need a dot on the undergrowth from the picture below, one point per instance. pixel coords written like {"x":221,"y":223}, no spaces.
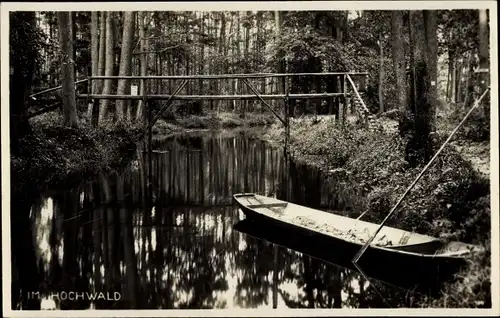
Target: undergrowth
{"x":54,"y":155}
{"x":367,"y":171}
{"x":471,"y":289}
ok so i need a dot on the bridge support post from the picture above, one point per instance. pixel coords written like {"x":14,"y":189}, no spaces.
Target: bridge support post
{"x":95,"y":113}
{"x":150,"y":155}
{"x":287,"y":158}
{"x":341,"y":118}
{"x":344,"y":91}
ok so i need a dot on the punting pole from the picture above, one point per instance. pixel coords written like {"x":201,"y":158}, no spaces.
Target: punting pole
{"x":365,"y":247}
{"x":150,"y":157}
{"x":287,"y":146}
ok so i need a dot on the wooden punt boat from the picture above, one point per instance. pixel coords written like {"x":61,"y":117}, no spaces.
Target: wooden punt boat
{"x":392,"y":249}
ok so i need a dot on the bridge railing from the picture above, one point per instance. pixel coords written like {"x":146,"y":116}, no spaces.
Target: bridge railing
{"x":143,"y":80}
{"x":344,"y":76}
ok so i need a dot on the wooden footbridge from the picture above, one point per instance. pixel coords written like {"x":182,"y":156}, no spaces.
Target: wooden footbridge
{"x":350,"y":88}
{"x":347,"y":91}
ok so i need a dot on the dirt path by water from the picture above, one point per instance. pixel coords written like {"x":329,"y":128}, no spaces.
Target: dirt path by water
{"x":477,"y":153}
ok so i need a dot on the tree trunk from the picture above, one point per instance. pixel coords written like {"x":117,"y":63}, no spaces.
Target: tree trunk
{"x":210,"y":61}
{"x":227,"y":46}
{"x":469,"y":86}
{"x":73,"y":24}
{"x":233,"y":81}
{"x":431,"y":49}
{"x":448,"y":76}
{"x":246,"y":57}
{"x":109,"y":67}
{"x":125,"y":63}
{"x":187,"y":57}
{"x":484,"y":77}
{"x":453,"y":83}
{"x":398,"y":58}
{"x":237,"y":104}
{"x":419,"y":146}
{"x":458,"y":77}
{"x":201,"y":67}
{"x":94,"y":49}
{"x":381,"y":77}
{"x":67,"y":70}
{"x":260,"y":51}
{"x":21,"y":75}
{"x":102,"y":52}
{"x":222,"y":44}
{"x":144,"y":62}
{"x":281,"y":64}
{"x":100,"y":66}
{"x":451,"y":68}
{"x":315,"y":66}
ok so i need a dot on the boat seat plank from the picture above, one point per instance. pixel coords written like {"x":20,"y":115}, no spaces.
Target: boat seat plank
{"x":268,"y":205}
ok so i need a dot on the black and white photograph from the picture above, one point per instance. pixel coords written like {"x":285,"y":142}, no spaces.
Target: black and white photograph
{"x":284,"y":158}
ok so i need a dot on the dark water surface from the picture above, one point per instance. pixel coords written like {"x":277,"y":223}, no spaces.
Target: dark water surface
{"x":183,"y":252}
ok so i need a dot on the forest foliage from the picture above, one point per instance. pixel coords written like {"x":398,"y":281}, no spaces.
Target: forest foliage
{"x":421,"y":64}
{"x":186,"y":43}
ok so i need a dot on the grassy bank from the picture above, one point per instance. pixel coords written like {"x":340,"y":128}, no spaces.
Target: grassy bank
{"x":211,"y":121}
{"x":55,"y":155}
{"x":367,"y":170}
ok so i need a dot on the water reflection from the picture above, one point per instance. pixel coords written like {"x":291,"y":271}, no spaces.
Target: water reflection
{"x":182,"y":252}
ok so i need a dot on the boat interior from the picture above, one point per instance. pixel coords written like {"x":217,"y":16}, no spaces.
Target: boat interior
{"x":350,"y":229}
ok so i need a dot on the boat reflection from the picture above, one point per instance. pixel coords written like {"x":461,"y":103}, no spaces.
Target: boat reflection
{"x":403,"y":277}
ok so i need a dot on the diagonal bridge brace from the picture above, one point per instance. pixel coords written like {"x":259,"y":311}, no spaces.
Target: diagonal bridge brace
{"x":167,"y":105}
{"x":254,"y":90}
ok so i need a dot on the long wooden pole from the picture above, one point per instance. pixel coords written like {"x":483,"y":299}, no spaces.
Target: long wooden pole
{"x":48,"y":90}
{"x":365,"y":247}
{"x":221,"y":76}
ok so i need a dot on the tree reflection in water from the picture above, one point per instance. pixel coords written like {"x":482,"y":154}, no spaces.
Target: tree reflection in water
{"x":182,"y":252}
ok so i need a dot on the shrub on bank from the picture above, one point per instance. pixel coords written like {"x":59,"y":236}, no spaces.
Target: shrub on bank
{"x":162,"y":127}
{"x":472,"y":289}
{"x":54,"y":153}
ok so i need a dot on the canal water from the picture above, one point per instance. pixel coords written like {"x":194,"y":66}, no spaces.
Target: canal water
{"x":99,"y":239}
